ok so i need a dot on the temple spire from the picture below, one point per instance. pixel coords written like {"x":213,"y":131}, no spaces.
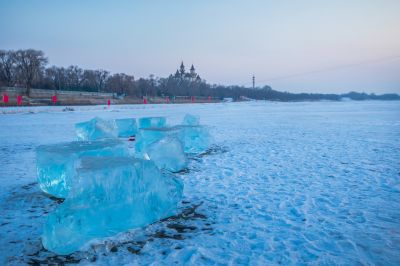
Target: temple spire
{"x":182,"y":68}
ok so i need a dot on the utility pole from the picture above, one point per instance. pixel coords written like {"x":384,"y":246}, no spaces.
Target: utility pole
{"x":254,"y":82}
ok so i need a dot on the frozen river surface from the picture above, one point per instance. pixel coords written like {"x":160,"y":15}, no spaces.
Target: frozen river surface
{"x":285,"y":183}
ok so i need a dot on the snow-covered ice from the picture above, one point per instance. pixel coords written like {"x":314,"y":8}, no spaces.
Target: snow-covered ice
{"x":284,"y":183}
{"x":108,"y":196}
{"x":56,"y":163}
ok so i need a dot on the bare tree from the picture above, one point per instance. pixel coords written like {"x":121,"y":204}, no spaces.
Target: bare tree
{"x":30,"y":65}
{"x":101,"y":77}
{"x":74,"y":77}
{"x":120,"y":83}
{"x":57,"y":76}
{"x":7,"y":67}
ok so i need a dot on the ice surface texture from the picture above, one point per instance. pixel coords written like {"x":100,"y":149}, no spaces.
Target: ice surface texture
{"x":152,"y":122}
{"x":301,"y":183}
{"x":167,"y":154}
{"x":110,"y":195}
{"x":56,"y":163}
{"x":126,"y":127}
{"x":195,"y":139}
{"x":96,"y":128}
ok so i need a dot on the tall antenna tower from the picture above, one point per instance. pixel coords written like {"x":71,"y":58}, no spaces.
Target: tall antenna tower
{"x":254,"y":82}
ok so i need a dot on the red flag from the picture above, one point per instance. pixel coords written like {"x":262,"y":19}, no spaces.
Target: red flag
{"x":5,"y":98}
{"x":19,"y":100}
{"x":193,"y":99}
{"x":54,"y":99}
{"x":144,"y":100}
{"x":108,"y":102}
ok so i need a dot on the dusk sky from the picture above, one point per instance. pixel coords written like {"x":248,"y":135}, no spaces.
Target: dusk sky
{"x":227,"y":41}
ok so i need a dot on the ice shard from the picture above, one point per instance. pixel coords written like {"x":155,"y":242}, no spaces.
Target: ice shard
{"x":152,"y":122}
{"x":147,"y":136}
{"x":96,"y":128}
{"x":56,"y":164}
{"x":110,"y":195}
{"x":126,"y":127}
{"x":167,"y":153}
{"x":191,"y":120}
{"x":195,"y":139}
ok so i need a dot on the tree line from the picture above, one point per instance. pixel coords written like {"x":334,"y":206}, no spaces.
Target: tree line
{"x":29,"y":69}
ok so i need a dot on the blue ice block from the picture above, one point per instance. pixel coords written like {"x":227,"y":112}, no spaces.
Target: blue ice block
{"x":191,"y":120}
{"x":195,"y":139}
{"x":109,"y":196}
{"x":152,"y":122}
{"x":126,"y":127}
{"x":95,"y":129}
{"x":56,"y":163}
{"x":167,"y":154}
{"x":147,"y":136}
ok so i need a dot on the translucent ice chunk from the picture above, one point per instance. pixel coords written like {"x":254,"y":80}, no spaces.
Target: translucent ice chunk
{"x":191,"y":120}
{"x":152,"y":122}
{"x":95,"y":129}
{"x":126,"y":127}
{"x":147,"y":136}
{"x":168,"y":154}
{"x":195,"y":139}
{"x":56,"y":163}
{"x":110,"y":195}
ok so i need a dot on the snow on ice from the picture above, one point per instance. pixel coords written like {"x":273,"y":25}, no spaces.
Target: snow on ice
{"x":283,"y":183}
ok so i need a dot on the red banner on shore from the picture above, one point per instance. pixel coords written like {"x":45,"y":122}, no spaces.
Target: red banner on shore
{"x":5,"y":98}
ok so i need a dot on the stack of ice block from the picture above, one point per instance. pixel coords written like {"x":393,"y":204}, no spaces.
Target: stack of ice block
{"x":126,"y":127}
{"x":110,"y":195}
{"x":56,"y":163}
{"x":152,"y":122}
{"x":96,"y":128}
{"x":106,"y":190}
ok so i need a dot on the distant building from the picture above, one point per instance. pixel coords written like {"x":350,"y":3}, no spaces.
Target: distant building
{"x":191,"y":75}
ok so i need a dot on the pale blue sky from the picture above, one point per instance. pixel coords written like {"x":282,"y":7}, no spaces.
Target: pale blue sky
{"x":227,"y":41}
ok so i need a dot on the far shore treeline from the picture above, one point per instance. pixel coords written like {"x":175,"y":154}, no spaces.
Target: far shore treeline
{"x":29,"y":69}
